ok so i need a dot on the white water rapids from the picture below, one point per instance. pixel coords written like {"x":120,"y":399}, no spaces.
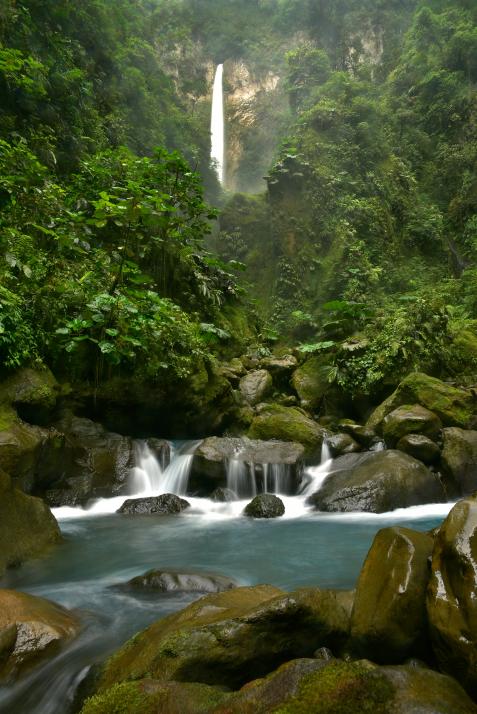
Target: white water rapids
{"x":217,"y":124}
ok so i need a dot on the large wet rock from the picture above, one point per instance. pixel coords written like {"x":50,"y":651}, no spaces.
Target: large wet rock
{"x":452,"y":602}
{"x":454,"y":407}
{"x":167,"y":581}
{"x":310,"y":382}
{"x":288,"y":424}
{"x":211,"y":459}
{"x":255,"y":386}
{"x":32,"y":392}
{"x":420,"y":447}
{"x":82,"y":461}
{"x":340,"y":444}
{"x":279,"y":366}
{"x":459,"y":458}
{"x":410,"y":419}
{"x":265,"y":505}
{"x":21,"y":445}
{"x":389,"y":620}
{"x":163,"y":505}
{"x":362,"y":434}
{"x":148,"y":696}
{"x":31,"y":629}
{"x":229,"y":637}
{"x":377,"y":482}
{"x":27,"y":526}
{"x":306,"y":686}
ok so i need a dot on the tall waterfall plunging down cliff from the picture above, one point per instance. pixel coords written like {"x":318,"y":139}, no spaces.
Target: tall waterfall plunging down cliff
{"x":217,"y":123}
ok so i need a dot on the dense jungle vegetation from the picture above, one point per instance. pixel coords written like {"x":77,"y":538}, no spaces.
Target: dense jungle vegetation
{"x":361,"y":249}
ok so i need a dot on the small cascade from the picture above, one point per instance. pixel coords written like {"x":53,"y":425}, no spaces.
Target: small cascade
{"x":217,"y":124}
{"x":315,"y":476}
{"x":146,"y":476}
{"x":238,"y":477}
{"x":149,"y":478}
{"x":247,"y":479}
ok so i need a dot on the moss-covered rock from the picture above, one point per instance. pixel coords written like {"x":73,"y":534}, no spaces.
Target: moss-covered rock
{"x":454,"y":407}
{"x":420,"y":447}
{"x":389,"y":621}
{"x":33,"y":392}
{"x":31,"y":629}
{"x":377,"y":482}
{"x":229,"y":637}
{"x":451,"y":602}
{"x":410,"y":419}
{"x":27,"y":526}
{"x":265,"y":505}
{"x":459,"y":458}
{"x":340,"y":444}
{"x":310,"y":382}
{"x":288,"y":424}
{"x":255,"y":386}
{"x":20,"y":448}
{"x":148,"y":696}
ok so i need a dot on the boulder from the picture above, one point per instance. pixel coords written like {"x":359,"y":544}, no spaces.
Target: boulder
{"x":32,"y":391}
{"x":233,"y":370}
{"x":410,"y":419}
{"x":27,"y":526}
{"x":288,"y":424}
{"x":84,"y":459}
{"x":362,"y":434}
{"x":226,"y":638}
{"x":255,"y":386}
{"x":310,"y":382}
{"x":340,"y":444}
{"x":377,"y":482}
{"x":223,"y":495}
{"x":31,"y":629}
{"x":459,"y":458}
{"x":20,"y":448}
{"x":148,"y":696}
{"x":167,"y":581}
{"x":265,"y":505}
{"x":154,"y":505}
{"x":280,"y":366}
{"x":451,"y":601}
{"x":214,"y":456}
{"x":454,"y":407}
{"x":389,"y":621}
{"x":420,"y":447}
{"x":306,"y":686}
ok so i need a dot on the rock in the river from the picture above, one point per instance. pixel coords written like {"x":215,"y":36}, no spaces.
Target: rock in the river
{"x":265,"y":505}
{"x":340,"y":444}
{"x":310,"y":686}
{"x":454,"y":407}
{"x":362,"y":434}
{"x":459,"y":458}
{"x":31,"y":629}
{"x":157,"y":505}
{"x":223,"y":495}
{"x":209,"y":467}
{"x":377,"y":482}
{"x":452,"y":602}
{"x":255,"y":386}
{"x":420,"y":447}
{"x":148,"y":696}
{"x":410,"y":419}
{"x":288,"y":424}
{"x":166,"y":581}
{"x":389,"y":620}
{"x":27,"y":526}
{"x":227,"y":638}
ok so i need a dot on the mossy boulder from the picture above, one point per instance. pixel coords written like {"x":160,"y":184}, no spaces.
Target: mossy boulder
{"x":310,"y":381}
{"x":453,"y":406}
{"x":362,"y":434}
{"x":27,"y":526}
{"x":31,"y":629}
{"x":389,"y":621}
{"x":459,"y":458}
{"x":255,"y":386}
{"x":310,"y":686}
{"x":227,"y":638}
{"x":340,"y":444}
{"x":148,"y":696}
{"x":33,"y":392}
{"x":265,"y":505}
{"x":288,"y":424}
{"x":451,"y":601}
{"x":377,"y":482}
{"x":20,"y":448}
{"x":410,"y":419}
{"x":419,"y":447}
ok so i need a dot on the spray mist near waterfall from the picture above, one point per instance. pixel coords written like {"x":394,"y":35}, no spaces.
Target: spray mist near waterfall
{"x":217,"y":124}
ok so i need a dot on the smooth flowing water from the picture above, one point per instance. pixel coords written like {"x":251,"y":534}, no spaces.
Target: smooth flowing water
{"x":217,"y":124}
{"x":102,"y":549}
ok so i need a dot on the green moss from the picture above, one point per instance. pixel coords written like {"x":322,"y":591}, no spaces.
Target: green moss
{"x":287,"y":424}
{"x":8,"y":416}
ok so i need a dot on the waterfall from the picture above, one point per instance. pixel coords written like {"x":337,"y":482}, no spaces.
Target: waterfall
{"x":247,"y":479}
{"x":217,"y":123}
{"x":315,"y":475}
{"x":149,"y":479}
